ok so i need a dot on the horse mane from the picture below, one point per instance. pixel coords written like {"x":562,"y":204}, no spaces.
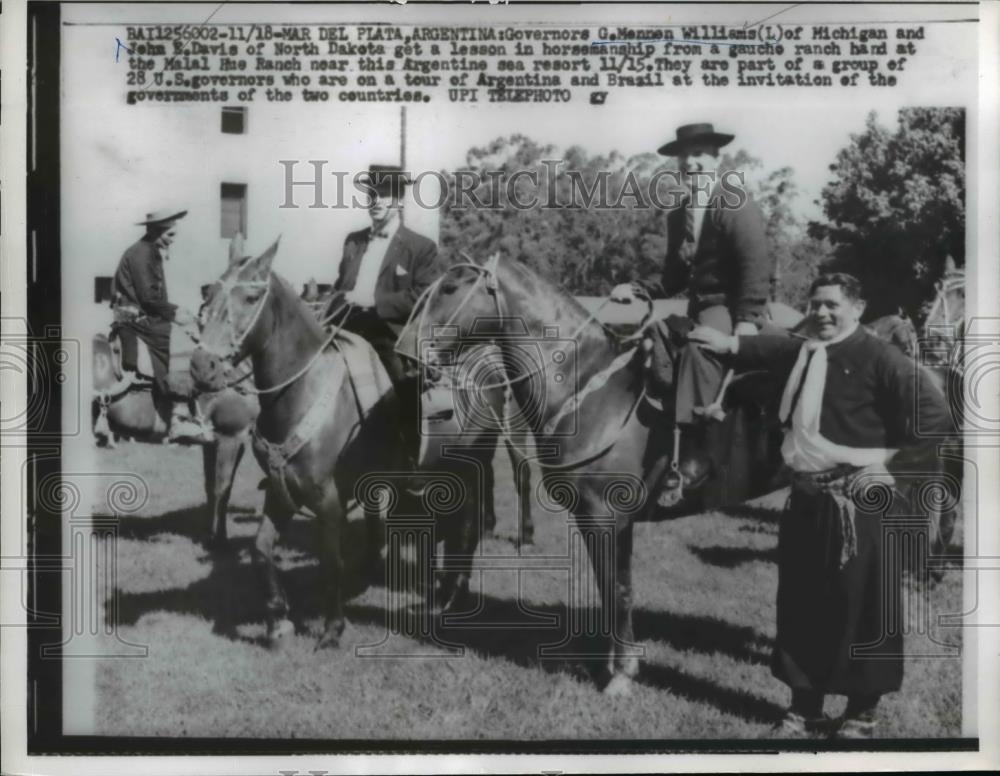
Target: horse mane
{"x":566,"y":305}
{"x":294,"y":304}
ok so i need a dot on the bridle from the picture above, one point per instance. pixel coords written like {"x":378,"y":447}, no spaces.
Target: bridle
{"x":235,"y":352}
{"x":950,"y":331}
{"x":487,"y":273}
{"x":236,"y":342}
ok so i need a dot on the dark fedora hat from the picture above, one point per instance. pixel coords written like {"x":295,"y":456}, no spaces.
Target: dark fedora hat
{"x":694,"y":133}
{"x":386,"y":179}
{"x":163,"y":216}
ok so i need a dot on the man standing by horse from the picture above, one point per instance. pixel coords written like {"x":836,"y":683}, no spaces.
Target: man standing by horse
{"x":142,"y":311}
{"x":850,"y":408}
{"x":717,"y":253}
{"x":383,"y":270}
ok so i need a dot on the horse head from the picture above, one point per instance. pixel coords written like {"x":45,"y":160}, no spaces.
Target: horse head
{"x":107,"y":362}
{"x":234,"y":319}
{"x":459,"y":306}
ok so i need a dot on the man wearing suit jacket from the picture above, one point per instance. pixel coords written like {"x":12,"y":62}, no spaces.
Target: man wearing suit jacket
{"x":717,"y":253}
{"x":383,"y":271}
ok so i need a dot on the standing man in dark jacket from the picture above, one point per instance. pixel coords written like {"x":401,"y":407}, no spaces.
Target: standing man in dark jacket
{"x":383,"y":270}
{"x":143,"y":311}
{"x":717,"y":253}
{"x":851,"y":406}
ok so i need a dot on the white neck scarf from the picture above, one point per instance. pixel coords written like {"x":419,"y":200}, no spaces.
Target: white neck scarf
{"x":804,"y":448}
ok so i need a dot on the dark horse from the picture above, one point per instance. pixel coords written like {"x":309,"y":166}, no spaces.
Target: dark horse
{"x":583,"y":395}
{"x":319,"y":446}
{"x":124,"y":409}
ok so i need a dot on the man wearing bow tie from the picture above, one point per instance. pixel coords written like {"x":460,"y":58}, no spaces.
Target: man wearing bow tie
{"x":383,"y":271}
{"x":850,"y":406}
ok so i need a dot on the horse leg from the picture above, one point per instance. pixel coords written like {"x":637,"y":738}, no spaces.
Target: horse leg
{"x":209,"y":456}
{"x":229,"y":453}
{"x":613,"y":573}
{"x":332,"y":521}
{"x":623,"y":667}
{"x":489,"y":483}
{"x":275,"y":519}
{"x":522,"y":481}
{"x":460,"y":544}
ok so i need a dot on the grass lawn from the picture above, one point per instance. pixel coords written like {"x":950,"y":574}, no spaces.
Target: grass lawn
{"x":704,"y":615}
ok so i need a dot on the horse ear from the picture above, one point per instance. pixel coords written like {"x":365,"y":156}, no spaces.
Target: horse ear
{"x":236,"y":249}
{"x":261,"y":266}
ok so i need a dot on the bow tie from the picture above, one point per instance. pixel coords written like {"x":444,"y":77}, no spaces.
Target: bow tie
{"x":381,"y":234}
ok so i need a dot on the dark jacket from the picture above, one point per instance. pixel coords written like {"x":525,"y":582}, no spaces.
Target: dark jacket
{"x":139,"y":281}
{"x":409,"y":266}
{"x":874,"y":395}
{"x":732,"y":265}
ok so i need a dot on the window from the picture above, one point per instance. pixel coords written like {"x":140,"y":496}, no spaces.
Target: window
{"x":102,"y":289}
{"x":234,"y":209}
{"x":234,"y":121}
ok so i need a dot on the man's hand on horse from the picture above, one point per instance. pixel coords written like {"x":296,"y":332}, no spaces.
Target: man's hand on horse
{"x":745,"y":329}
{"x":713,"y":340}
{"x":625,"y":293}
{"x":359,"y":300}
{"x":183,"y":317}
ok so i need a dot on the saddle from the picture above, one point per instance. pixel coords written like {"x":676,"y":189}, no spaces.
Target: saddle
{"x":664,"y":339}
{"x":144,"y":362}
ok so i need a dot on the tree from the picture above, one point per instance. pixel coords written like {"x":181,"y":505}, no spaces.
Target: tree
{"x":896,"y":206}
{"x":597,"y":223}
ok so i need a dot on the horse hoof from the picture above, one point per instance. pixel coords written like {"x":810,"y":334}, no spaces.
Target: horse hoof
{"x":331,"y":635}
{"x":278,"y":634}
{"x":620,"y":686}
{"x":216,"y":543}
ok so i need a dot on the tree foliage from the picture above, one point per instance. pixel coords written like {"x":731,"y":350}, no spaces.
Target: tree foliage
{"x":589,"y":248}
{"x":896,"y":206}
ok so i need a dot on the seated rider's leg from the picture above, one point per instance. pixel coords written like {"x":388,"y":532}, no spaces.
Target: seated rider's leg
{"x":129,"y":349}
{"x":699,"y":373}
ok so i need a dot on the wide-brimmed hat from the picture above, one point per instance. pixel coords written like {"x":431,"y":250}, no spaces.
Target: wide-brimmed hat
{"x":386,"y":179}
{"x":694,"y":133}
{"x":163,"y":216}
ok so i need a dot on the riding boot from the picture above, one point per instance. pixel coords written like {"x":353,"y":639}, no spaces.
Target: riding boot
{"x":185,"y":428}
{"x":693,"y":465}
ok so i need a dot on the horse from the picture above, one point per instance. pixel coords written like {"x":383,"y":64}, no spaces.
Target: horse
{"x":320,"y":438}
{"x":943,"y":353}
{"x":599,"y":442}
{"x":460,"y":424}
{"x":124,"y":408}
{"x":464,"y":419}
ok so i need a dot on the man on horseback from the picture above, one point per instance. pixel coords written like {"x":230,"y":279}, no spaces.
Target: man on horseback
{"x":851,"y":410}
{"x":383,"y":270}
{"x":717,"y":253}
{"x":142,"y":312}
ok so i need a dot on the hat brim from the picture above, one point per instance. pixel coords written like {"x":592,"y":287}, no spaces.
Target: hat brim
{"x":163,"y":220}
{"x":676,"y":147}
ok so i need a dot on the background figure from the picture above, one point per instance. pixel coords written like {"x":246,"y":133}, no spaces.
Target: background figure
{"x":142,"y":311}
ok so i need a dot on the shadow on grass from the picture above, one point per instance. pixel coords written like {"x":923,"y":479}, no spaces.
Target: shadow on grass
{"x":731,"y":557}
{"x":751,"y":512}
{"x":534,"y":636}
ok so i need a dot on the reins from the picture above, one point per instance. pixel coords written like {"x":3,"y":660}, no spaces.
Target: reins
{"x":237,"y":342}
{"x":489,"y":273}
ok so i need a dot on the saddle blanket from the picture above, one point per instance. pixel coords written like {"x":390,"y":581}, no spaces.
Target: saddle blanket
{"x":369,"y":378}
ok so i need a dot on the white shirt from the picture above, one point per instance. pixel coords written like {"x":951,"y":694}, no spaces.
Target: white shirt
{"x":804,"y":448}
{"x":699,"y":206}
{"x":371,"y":262}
